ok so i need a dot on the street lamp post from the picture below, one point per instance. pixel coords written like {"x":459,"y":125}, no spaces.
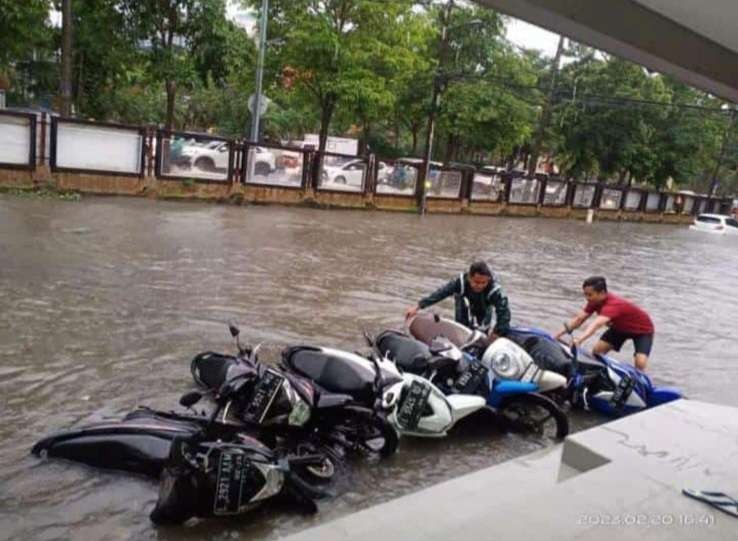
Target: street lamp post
{"x":256,"y":113}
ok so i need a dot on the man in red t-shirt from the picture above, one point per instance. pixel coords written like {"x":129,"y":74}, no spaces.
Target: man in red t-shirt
{"x":625,"y":320}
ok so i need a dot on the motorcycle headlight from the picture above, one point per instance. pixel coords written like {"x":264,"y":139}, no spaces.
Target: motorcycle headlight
{"x":507,"y":366}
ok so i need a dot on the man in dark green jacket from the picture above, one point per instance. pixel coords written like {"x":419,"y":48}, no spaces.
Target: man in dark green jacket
{"x":476,"y":295}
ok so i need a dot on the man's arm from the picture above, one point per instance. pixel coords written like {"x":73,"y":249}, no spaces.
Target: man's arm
{"x":448,"y":289}
{"x":573,"y":323}
{"x":441,"y":293}
{"x":498,"y":299}
{"x":600,"y":321}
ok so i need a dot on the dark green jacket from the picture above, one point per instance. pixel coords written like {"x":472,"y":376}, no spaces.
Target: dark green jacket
{"x":474,"y":309}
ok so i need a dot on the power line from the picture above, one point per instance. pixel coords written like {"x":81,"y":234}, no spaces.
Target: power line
{"x":563,"y":95}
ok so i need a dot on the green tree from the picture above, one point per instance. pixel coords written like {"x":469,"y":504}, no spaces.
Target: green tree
{"x":174,"y":34}
{"x":486,"y":106}
{"x":26,"y":50}
{"x":339,"y":48}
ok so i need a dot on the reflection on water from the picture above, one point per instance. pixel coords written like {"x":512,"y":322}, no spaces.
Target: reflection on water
{"x":105,"y":301}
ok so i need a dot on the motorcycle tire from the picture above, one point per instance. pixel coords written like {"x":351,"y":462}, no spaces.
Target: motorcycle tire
{"x":388,"y":433}
{"x":534,"y":413}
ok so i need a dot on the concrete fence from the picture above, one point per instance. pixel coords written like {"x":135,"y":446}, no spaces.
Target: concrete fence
{"x":113,"y":158}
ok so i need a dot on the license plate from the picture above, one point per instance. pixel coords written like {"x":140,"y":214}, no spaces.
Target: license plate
{"x":229,"y":487}
{"x":470,"y":381}
{"x":265,"y":391}
{"x":622,"y":392}
{"x":412,"y":407}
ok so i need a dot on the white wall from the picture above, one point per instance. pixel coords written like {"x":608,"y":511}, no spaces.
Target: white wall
{"x":79,"y":146}
{"x":15,"y":140}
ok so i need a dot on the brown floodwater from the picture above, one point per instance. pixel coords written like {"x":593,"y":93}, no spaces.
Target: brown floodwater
{"x":104,"y":302}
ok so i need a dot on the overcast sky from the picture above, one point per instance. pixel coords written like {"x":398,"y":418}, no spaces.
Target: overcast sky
{"x":532,"y":37}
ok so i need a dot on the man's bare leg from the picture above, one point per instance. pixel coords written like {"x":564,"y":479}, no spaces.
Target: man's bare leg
{"x":601,"y":348}
{"x":640,"y":361}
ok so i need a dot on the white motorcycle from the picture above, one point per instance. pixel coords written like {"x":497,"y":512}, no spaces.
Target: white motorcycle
{"x":411,"y":403}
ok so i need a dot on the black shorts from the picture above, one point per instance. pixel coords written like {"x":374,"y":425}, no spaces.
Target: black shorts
{"x":642,"y":342}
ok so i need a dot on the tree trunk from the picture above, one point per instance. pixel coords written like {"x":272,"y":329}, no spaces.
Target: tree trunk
{"x":414,"y":131}
{"x":171,"y":87}
{"x":328,"y":105}
{"x":449,"y":147}
{"x":66,"y":67}
{"x":80,"y":86}
{"x":365,"y":133}
{"x":621,"y":176}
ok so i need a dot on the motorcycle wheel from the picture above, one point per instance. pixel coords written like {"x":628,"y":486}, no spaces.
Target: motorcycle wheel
{"x":534,"y":413}
{"x":372,"y":433}
{"x":323,"y":472}
{"x":381,"y":437}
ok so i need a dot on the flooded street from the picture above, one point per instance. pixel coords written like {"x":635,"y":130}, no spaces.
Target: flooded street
{"x":104,"y":302}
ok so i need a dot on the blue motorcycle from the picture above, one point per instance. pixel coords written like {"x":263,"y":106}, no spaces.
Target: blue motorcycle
{"x":595,"y":382}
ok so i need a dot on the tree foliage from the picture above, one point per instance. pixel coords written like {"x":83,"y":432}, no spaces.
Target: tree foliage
{"x":366,"y":69}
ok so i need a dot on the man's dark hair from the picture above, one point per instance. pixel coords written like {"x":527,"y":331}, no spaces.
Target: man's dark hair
{"x":480,"y":267}
{"x":598,"y":283}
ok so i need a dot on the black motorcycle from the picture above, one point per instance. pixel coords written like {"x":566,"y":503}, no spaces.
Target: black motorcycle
{"x":284,"y":403}
{"x":201,"y":474}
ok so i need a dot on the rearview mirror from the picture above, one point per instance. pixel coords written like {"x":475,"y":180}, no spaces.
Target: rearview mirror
{"x":235,"y":331}
{"x":190,"y":399}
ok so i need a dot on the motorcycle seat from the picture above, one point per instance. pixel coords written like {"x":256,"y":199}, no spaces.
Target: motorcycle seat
{"x":331,"y":372}
{"x":547,"y":355}
{"x":409,"y":354}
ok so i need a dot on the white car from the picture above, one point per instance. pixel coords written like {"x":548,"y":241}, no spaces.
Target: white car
{"x":214,"y":157}
{"x":350,"y":173}
{"x":715,"y":223}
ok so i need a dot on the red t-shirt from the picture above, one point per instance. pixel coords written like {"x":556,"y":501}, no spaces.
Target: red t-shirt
{"x":624,"y":316}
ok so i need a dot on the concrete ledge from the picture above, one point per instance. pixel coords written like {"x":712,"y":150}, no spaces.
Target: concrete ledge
{"x":237,"y":193}
{"x":444,"y":206}
{"x":269,"y":194}
{"x":99,"y":184}
{"x":485,"y":208}
{"x":340,"y":199}
{"x":16,"y":178}
{"x":390,"y":202}
{"x":620,"y":480}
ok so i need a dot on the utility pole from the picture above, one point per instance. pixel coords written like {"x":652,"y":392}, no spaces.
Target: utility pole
{"x":438,"y":85}
{"x":66,"y":59}
{"x":728,"y":131}
{"x":256,"y":113}
{"x":546,"y":113}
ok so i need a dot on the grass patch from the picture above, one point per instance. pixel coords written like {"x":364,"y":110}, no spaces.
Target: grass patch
{"x":42,"y":192}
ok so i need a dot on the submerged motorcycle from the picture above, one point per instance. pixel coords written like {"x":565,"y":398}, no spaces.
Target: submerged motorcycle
{"x":284,"y":404}
{"x":595,"y":382}
{"x":414,"y":405}
{"x":201,"y":474}
{"x":515,"y":401}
